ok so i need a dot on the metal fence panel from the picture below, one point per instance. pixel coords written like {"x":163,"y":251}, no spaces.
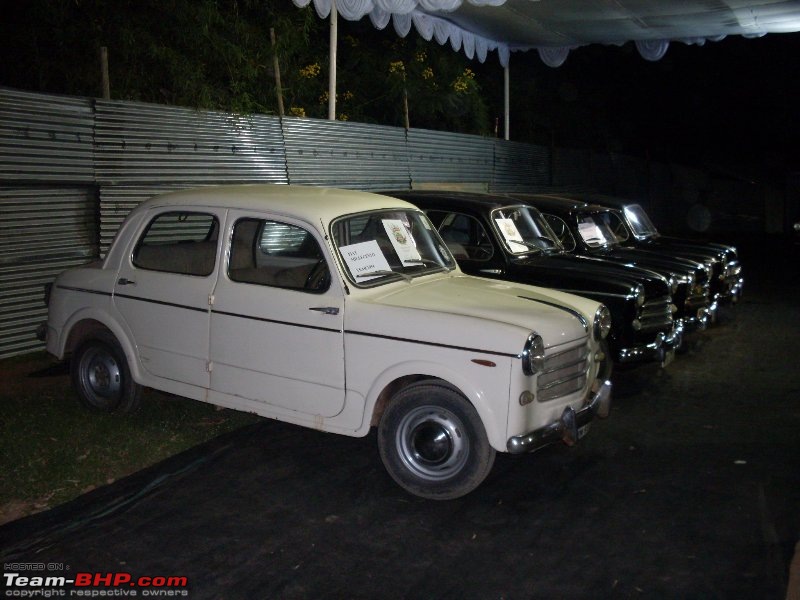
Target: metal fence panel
{"x":45,"y":138}
{"x":43,"y":231}
{"x":571,"y":167}
{"x":346,"y":155}
{"x":519,"y":167}
{"x":438,"y":156}
{"x":149,"y":144}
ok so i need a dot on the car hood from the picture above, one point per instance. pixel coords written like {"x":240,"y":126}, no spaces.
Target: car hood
{"x":665,"y":265}
{"x":471,"y":312}
{"x":584,"y":274}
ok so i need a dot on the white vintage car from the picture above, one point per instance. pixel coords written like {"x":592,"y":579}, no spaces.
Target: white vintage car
{"x":337,"y":310}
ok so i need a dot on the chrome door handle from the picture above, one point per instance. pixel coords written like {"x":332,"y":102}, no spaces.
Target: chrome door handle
{"x":326,"y":310}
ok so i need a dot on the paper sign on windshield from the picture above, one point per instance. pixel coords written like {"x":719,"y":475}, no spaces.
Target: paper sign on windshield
{"x":510,"y":232}
{"x":364,"y":257}
{"x":402,"y":240}
{"x":591,"y":233}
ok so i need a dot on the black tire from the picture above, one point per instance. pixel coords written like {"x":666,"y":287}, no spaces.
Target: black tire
{"x":433,"y":443}
{"x":101,"y":376}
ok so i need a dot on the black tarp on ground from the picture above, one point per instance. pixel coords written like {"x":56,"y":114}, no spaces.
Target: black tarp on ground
{"x":690,"y":490}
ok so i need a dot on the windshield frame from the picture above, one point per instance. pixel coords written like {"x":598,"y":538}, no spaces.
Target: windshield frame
{"x":639,"y":222}
{"x":535,"y":216}
{"x":399,"y":271}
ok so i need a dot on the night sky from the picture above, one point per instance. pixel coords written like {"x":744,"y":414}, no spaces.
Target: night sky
{"x":729,"y":106}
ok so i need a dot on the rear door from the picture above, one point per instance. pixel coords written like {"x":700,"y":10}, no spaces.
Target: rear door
{"x":163,"y":288}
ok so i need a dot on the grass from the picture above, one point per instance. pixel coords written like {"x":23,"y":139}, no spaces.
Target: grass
{"x":52,"y":449}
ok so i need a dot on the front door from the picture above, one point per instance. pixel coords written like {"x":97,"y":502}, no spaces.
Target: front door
{"x":163,"y":289}
{"x":277,"y":319}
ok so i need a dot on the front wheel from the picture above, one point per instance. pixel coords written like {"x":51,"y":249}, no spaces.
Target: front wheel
{"x":433,"y":443}
{"x":102,"y":378}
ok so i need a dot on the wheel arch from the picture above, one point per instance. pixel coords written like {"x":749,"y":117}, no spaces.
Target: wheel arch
{"x":88,"y":324}
{"x":492,"y":412}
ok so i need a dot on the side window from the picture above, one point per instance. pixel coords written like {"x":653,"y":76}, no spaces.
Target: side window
{"x":560,"y":228}
{"x":464,"y":235}
{"x":179,"y":242}
{"x":277,"y":254}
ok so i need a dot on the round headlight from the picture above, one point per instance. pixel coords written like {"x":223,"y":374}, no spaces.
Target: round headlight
{"x":640,"y":295}
{"x":602,"y":322}
{"x":533,"y":355}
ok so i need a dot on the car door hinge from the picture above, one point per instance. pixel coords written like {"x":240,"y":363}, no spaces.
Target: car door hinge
{"x":209,"y":366}
{"x":211,"y":299}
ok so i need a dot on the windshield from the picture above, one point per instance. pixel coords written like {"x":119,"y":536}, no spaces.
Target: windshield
{"x":523,"y":229}
{"x":640,"y":223}
{"x":381,"y":246}
{"x":594,"y":231}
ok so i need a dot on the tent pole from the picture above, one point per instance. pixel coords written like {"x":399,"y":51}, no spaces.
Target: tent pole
{"x":506,"y":86}
{"x":332,"y":69}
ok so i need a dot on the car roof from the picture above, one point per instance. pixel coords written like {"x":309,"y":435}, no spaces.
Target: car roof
{"x":474,"y":200}
{"x":309,"y":203}
{"x":552,"y":202}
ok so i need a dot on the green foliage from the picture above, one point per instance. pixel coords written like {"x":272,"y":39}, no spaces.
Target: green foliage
{"x":217,"y":54}
{"x":52,"y":449}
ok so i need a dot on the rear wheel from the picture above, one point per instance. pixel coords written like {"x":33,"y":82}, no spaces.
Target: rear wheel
{"x":102,"y":378}
{"x":433,"y":443}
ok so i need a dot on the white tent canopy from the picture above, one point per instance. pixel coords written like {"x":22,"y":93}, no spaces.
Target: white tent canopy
{"x":554,"y":27}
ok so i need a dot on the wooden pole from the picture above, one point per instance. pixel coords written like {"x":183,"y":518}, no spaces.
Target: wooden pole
{"x":277,"y":68}
{"x":332,"y":71}
{"x":406,"y":120}
{"x":104,"y":73}
{"x":506,"y":102}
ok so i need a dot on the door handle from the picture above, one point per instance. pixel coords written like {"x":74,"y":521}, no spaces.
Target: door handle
{"x":326,"y":310}
{"x":124,"y":281}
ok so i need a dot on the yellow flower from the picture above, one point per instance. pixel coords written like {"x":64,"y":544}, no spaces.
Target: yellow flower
{"x":397,"y":66}
{"x":347,"y":95}
{"x":323,"y":98}
{"x":342,"y":117}
{"x":310,"y":71}
{"x":421,"y":56}
{"x":297,"y":111}
{"x":427,"y":73}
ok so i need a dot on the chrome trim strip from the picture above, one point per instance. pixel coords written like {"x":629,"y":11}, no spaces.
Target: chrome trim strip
{"x":571,"y":311}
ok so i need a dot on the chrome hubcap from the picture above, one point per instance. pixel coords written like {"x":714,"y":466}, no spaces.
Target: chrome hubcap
{"x":431,"y":443}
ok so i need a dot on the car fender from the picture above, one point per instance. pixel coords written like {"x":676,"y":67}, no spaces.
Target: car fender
{"x":114,"y":325}
{"x":492,"y":410}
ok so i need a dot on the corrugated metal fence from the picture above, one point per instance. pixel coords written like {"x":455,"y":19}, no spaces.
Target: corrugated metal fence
{"x":48,"y":204}
{"x":72,"y":168}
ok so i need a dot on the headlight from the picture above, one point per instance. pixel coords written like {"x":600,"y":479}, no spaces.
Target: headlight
{"x":533,"y":355}
{"x":639,"y":295}
{"x":602,"y":322}
{"x":674,"y":282}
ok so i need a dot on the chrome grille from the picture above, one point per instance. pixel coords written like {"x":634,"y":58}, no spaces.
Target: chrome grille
{"x":564,"y":372}
{"x":656,"y":313}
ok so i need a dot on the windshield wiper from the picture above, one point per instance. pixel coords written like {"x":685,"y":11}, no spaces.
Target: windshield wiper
{"x":384,"y":272}
{"x":428,"y":263}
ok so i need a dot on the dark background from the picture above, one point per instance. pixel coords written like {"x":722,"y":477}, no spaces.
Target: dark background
{"x":727,"y":107}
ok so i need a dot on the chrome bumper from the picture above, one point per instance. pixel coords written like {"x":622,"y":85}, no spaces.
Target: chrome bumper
{"x":701,"y":319}
{"x":565,"y":429}
{"x":657,"y":350}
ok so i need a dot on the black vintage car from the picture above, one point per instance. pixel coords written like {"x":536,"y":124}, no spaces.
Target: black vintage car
{"x":583,"y":230}
{"x":491,"y":237}
{"x":634,"y":229}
